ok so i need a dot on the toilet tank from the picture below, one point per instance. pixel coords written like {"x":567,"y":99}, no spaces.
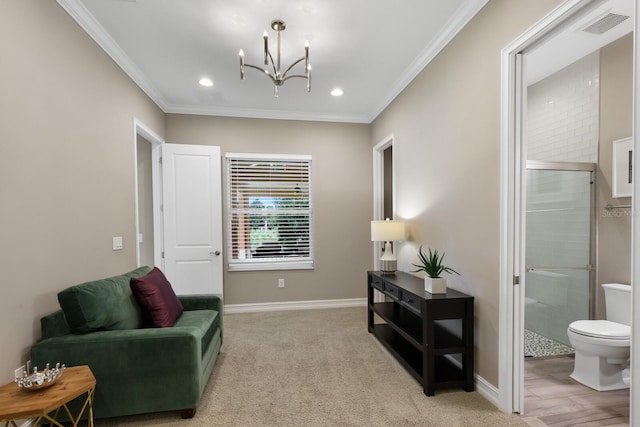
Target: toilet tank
{"x":617,"y":298}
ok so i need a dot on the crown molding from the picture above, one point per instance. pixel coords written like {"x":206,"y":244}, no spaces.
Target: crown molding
{"x":97,"y":32}
{"x":266,"y":114}
{"x":458,"y":21}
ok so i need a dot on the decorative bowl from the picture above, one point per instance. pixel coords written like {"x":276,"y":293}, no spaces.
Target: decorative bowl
{"x":38,"y":380}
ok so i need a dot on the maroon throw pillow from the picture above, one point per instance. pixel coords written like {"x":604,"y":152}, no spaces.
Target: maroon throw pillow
{"x":160,"y":305}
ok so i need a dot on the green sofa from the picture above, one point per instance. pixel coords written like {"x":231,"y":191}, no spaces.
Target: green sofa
{"x":138,"y":369}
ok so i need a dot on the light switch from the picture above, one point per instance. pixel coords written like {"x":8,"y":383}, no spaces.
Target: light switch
{"x":117,"y":243}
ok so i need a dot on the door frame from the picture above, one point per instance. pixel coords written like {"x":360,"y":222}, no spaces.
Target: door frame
{"x":635,"y":224}
{"x":378,"y":190}
{"x":512,"y":168}
{"x":140,"y":129}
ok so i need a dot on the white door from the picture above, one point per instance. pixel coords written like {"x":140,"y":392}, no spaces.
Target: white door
{"x":191,"y":193}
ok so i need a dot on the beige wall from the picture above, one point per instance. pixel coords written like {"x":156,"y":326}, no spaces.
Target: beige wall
{"x":446,"y":125}
{"x":66,"y":166}
{"x":342,"y":201}
{"x":614,"y":227}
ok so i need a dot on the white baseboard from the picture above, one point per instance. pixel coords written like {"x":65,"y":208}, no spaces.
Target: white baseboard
{"x":487,"y":390}
{"x":294,"y":305}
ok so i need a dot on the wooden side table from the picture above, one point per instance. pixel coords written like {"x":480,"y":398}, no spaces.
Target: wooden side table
{"x":45,"y":404}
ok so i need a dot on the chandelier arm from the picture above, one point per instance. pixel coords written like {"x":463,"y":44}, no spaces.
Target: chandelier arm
{"x":295,"y":75}
{"x":273,"y":65}
{"x":265,"y":72}
{"x":291,"y":66}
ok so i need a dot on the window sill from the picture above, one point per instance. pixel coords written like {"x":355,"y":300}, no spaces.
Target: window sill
{"x":264,"y":266}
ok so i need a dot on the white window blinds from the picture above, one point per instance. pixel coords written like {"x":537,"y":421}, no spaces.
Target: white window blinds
{"x":269,"y":212}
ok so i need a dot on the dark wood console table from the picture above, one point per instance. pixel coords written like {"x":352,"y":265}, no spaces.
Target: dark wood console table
{"x":431,"y":335}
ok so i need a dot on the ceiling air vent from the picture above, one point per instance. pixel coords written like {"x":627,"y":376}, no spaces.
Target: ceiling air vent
{"x":605,"y":23}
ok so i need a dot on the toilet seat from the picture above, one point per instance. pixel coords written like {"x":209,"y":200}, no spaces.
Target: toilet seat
{"x":601,"y":329}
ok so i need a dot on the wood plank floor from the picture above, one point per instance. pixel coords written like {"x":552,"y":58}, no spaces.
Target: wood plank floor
{"x":552,"y":398}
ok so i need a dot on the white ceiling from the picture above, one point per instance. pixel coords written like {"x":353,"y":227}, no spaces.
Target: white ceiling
{"x":370,"y":49}
{"x":571,"y":43}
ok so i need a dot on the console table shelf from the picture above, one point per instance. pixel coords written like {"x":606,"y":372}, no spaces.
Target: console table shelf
{"x":401,"y":322}
{"x":430,"y":335}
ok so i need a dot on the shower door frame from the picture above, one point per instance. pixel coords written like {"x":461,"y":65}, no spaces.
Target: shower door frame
{"x":591,"y":268}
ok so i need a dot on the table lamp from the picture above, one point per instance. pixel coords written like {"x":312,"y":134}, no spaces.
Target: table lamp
{"x":388,"y":231}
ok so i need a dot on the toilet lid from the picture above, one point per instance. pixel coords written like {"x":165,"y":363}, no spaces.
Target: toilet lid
{"x":601,"y":329}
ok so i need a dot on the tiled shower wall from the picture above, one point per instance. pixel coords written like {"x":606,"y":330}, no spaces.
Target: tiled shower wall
{"x":563,"y":113}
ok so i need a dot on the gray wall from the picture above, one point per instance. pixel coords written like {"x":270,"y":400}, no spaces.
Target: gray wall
{"x":614,"y":227}
{"x":446,"y":125}
{"x":342,"y":201}
{"x":66,"y":166}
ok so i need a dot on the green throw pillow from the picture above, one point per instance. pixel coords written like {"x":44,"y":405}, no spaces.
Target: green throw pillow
{"x":105,"y":304}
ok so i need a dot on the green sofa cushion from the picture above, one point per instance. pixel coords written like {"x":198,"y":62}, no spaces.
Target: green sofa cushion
{"x":105,"y":304}
{"x":206,"y":322}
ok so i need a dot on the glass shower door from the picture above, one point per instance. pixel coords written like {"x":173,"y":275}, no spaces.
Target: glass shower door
{"x":559,"y":233}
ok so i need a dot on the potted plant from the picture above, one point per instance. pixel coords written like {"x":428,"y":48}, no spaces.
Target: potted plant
{"x":432,"y":265}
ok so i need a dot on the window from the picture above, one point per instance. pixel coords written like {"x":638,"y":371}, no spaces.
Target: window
{"x":269,"y":212}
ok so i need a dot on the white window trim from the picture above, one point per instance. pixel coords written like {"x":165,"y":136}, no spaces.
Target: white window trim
{"x":259,"y":264}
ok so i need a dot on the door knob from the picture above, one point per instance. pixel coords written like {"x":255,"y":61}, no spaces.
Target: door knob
{"x":216,"y":253}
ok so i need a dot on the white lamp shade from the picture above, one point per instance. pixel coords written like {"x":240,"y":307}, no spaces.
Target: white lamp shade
{"x":388,"y":231}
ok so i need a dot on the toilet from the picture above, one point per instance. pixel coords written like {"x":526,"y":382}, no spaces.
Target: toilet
{"x":602,"y":346}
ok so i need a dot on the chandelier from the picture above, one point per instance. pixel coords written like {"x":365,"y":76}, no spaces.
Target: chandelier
{"x":277,"y":76}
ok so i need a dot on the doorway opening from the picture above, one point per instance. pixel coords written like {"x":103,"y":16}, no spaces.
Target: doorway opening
{"x":388,"y":181}
{"x":383,"y":197}
{"x":148,"y":191}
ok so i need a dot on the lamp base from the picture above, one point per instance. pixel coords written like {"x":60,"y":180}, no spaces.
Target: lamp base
{"x":388,"y":266}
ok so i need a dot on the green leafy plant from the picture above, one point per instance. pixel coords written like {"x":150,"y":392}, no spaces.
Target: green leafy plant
{"x":432,"y":264}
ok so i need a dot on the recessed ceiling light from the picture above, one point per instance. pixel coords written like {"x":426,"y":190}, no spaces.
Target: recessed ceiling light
{"x":337,"y":92}
{"x":206,"y":82}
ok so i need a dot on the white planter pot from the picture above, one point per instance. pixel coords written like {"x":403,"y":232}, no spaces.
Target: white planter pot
{"x":435,"y":285}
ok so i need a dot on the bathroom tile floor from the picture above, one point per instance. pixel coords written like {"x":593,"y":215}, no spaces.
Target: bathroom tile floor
{"x":536,"y":345}
{"x":552,"y":398}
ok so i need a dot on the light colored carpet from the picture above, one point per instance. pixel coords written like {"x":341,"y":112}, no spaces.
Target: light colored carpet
{"x":317,"y":368}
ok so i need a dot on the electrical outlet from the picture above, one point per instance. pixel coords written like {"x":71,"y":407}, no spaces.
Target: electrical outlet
{"x":20,"y":370}
{"x":281,"y":283}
